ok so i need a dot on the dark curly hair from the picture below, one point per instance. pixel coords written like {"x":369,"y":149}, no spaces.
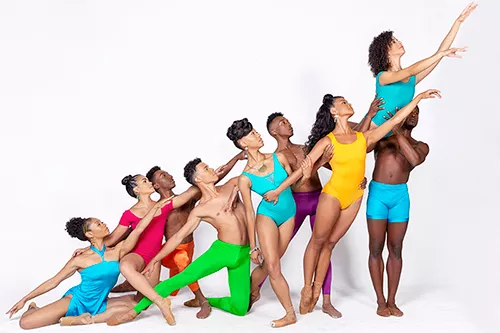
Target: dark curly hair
{"x":130,"y":183}
{"x":77,"y":226}
{"x":190,"y":170}
{"x":239,"y":129}
{"x":271,"y":117}
{"x":324,"y":123}
{"x":378,"y":57}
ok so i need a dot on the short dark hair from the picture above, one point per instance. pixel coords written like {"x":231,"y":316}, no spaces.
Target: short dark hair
{"x":75,"y":227}
{"x":151,"y":173}
{"x":378,"y":53}
{"x":271,"y":117}
{"x":190,"y":170}
{"x":239,"y":129}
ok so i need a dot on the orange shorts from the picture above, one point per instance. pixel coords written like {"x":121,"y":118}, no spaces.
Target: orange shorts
{"x":178,"y":260}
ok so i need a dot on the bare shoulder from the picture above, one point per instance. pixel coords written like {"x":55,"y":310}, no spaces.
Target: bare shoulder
{"x":423,"y":146}
{"x":244,"y":181}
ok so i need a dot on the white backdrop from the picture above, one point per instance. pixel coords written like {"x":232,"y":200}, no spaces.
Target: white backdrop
{"x":91,"y":91}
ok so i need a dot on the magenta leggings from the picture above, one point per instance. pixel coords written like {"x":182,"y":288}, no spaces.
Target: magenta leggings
{"x":307,"y":202}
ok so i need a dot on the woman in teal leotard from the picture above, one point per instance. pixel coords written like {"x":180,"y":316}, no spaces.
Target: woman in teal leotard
{"x":274,"y":221}
{"x":396,"y":85}
{"x":98,"y":266}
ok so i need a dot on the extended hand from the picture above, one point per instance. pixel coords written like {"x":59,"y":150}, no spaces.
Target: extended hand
{"x":376,"y":106}
{"x":18,"y":306}
{"x":80,"y":251}
{"x":220,"y":170}
{"x":148,"y":269}
{"x":256,"y":257}
{"x":271,"y":196}
{"x":242,"y":155}
{"x":452,"y":53}
{"x":160,"y":204}
{"x":327,"y":154}
{"x":431,"y":93}
{"x":396,"y":129}
{"x":466,"y":12}
{"x":306,"y":166}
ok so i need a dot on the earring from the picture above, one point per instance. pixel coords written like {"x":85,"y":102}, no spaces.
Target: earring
{"x":138,"y":197}
{"x":246,"y":148}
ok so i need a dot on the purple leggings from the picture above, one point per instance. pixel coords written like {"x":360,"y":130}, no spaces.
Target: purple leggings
{"x":306,"y":205}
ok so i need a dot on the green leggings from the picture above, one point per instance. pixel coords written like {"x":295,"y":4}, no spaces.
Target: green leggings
{"x":218,"y":256}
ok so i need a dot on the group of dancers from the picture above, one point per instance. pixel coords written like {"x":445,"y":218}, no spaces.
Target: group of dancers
{"x":291,"y":190}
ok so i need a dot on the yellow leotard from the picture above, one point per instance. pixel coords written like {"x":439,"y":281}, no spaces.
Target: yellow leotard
{"x":348,"y":170}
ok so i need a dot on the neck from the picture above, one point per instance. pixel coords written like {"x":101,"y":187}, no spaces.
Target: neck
{"x":145,"y":200}
{"x":342,"y":126}
{"x":98,"y":244}
{"x":164,"y":193}
{"x":254,"y":156}
{"x":283,"y":143}
{"x":406,"y":131}
{"x":395,"y":64}
{"x":208,"y":191}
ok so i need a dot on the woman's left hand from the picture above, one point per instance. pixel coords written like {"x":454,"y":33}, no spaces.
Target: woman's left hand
{"x":271,"y":196}
{"x":18,"y":306}
{"x":466,"y":12}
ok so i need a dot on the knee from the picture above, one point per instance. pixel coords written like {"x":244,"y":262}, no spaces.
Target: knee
{"x":317,"y":241}
{"x":25,"y":323}
{"x":376,"y":250}
{"x":126,"y":268}
{"x":328,"y":246}
{"x":395,"y":250}
{"x":273,"y":268}
{"x":241,"y":309}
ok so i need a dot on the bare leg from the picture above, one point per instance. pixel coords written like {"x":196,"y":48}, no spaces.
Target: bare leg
{"x":395,"y":235}
{"x":48,"y":315}
{"x":123,"y":287}
{"x":377,"y":230}
{"x":271,"y":239}
{"x":327,"y":213}
{"x":340,"y":227}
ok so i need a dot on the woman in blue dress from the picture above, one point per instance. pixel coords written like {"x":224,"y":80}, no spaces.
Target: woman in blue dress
{"x":99,"y":268}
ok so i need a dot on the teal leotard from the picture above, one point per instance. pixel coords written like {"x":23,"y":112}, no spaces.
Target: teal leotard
{"x":395,"y":95}
{"x":91,"y":295}
{"x":285,"y":207}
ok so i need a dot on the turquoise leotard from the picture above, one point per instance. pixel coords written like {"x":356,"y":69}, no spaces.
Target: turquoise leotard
{"x":285,"y":207}
{"x":91,"y":295}
{"x":395,"y":95}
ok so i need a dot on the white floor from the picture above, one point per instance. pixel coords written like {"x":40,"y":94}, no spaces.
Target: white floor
{"x":426,"y":310}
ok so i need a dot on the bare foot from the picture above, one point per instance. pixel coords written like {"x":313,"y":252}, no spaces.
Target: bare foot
{"x":192,"y":303}
{"x":83,"y":319}
{"x":305,"y":300}
{"x":164,"y":306}
{"x":395,"y":310}
{"x":330,"y":310}
{"x":383,"y":310}
{"x":316,"y":292}
{"x":123,"y":288}
{"x":288,"y":319}
{"x":205,"y":311}
{"x":33,"y":306}
{"x":254,"y":297}
{"x":122,"y":318}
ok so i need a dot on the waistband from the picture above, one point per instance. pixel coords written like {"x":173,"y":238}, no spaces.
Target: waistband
{"x":190,"y":243}
{"x":234,"y":246}
{"x":307,"y":194}
{"x":389,"y":186}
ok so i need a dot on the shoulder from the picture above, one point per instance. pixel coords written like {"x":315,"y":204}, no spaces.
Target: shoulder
{"x":243,"y":180}
{"x":423,"y":146}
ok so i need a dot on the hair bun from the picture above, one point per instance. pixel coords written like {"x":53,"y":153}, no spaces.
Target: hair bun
{"x":126,"y":180}
{"x":328,"y":98}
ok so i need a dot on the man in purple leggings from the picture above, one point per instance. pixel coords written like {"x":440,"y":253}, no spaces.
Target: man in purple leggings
{"x":305,"y":192}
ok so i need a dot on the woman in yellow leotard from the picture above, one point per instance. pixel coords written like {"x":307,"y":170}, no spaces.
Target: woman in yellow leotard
{"x":341,"y":196}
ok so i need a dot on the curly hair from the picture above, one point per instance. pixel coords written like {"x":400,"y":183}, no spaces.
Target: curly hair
{"x":271,"y":117}
{"x":75,"y":227}
{"x":239,"y":129}
{"x":378,"y":57}
{"x":324,"y":123}
{"x":190,"y":170}
{"x":130,"y":183}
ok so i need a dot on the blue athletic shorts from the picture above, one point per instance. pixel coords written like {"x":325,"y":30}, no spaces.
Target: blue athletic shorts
{"x":388,"y":202}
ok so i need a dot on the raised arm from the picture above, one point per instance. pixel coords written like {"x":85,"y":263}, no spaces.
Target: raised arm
{"x":116,"y":235}
{"x":244,"y":186}
{"x":128,"y":244}
{"x":68,"y":270}
{"x":405,"y":73}
{"x":223,"y":170}
{"x":374,"y":135}
{"x":414,"y":155}
{"x":186,"y":196}
{"x":364,"y":124}
{"x":448,"y":40}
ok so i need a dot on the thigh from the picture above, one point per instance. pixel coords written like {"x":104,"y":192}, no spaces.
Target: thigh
{"x":376,"y":209}
{"x":285,"y":231}
{"x":344,"y":221}
{"x":268,"y":235}
{"x":154,"y":278}
{"x":47,"y":315}
{"x":181,"y":259}
{"x":327,"y":213}
{"x":126,"y":300}
{"x":377,"y":229}
{"x":395,"y":234}
{"x":400,"y":212}
{"x":134,"y":261}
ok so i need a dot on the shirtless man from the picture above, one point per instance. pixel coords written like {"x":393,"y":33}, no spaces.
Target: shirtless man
{"x":388,"y":207}
{"x":182,"y":256}
{"x":306,"y":192}
{"x":221,"y":207}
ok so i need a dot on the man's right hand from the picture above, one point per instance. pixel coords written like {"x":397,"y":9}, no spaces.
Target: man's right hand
{"x":80,"y":251}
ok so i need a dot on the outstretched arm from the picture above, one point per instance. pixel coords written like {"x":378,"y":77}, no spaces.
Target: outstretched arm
{"x":448,"y":40}
{"x":129,"y":243}
{"x":188,"y":195}
{"x":223,"y":170}
{"x":115,"y":236}
{"x":373,"y":136}
{"x":68,"y":270}
{"x":375,"y":106}
{"x":244,"y":186}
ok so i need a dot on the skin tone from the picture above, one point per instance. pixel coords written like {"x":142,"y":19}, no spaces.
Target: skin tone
{"x":395,"y":157}
{"x":273,"y":240}
{"x":53,"y":313}
{"x":164,"y":183}
{"x":332,"y":222}
{"x":421,"y":69}
{"x":219,"y":206}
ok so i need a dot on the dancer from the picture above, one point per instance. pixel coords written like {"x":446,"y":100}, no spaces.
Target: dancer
{"x":178,"y":260}
{"x":388,"y":207}
{"x":86,"y":303}
{"x":306,"y":191}
{"x":274,"y":223}
{"x":220,"y":207}
{"x":396,"y":85}
{"x":341,"y":197}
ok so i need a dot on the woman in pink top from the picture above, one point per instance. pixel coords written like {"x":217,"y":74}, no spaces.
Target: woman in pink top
{"x":150,"y":241}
